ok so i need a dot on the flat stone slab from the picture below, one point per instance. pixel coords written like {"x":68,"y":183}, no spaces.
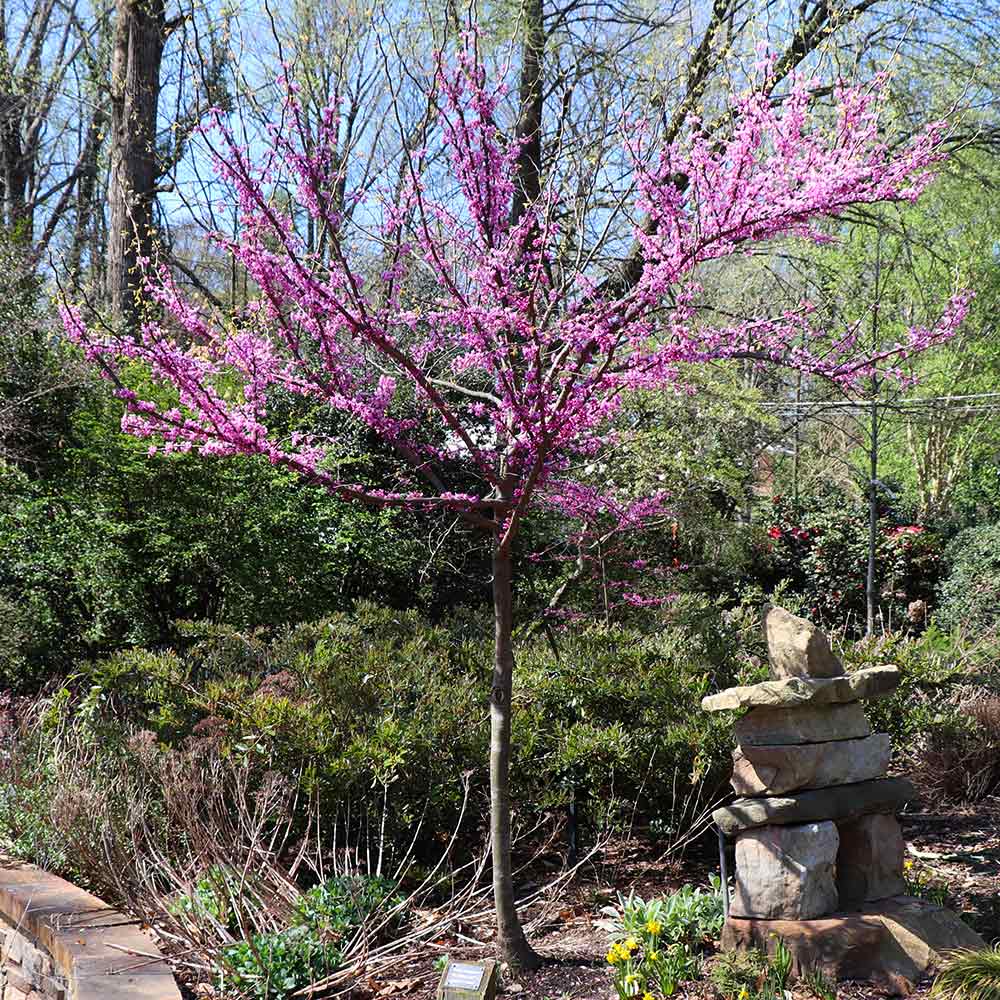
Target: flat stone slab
{"x":795,"y":691}
{"x":841,"y":802}
{"x":796,"y":648}
{"x":773,"y":769}
{"x":786,"y":871}
{"x":893,"y":943}
{"x":822,"y":724}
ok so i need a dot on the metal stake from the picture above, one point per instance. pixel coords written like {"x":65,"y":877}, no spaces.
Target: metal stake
{"x":724,"y":870}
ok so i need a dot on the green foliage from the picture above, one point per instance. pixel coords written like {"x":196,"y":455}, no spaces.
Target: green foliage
{"x":210,"y":899}
{"x":970,"y":593}
{"x":753,"y":975}
{"x":922,"y":883}
{"x":820,"y":547}
{"x":657,"y":941}
{"x":942,"y":718}
{"x":274,"y":966}
{"x":690,"y":916}
{"x":970,"y":975}
{"x":378,"y":709}
{"x":821,"y":986}
{"x":342,"y":903}
{"x":103,"y":547}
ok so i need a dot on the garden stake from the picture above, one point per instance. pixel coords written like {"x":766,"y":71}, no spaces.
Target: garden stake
{"x":722,"y":871}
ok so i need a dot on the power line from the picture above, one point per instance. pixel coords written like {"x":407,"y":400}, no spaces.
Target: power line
{"x":916,"y":402}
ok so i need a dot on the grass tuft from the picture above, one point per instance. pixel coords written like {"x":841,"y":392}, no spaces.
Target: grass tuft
{"x":970,"y":975}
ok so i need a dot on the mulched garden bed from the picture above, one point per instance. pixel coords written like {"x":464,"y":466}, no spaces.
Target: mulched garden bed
{"x":956,"y":848}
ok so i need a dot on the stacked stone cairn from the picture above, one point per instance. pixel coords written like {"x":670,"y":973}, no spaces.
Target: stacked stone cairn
{"x":815,"y":825}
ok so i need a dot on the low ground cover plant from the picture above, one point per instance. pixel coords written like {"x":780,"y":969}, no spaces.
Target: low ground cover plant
{"x":275,"y":965}
{"x":753,"y":975}
{"x":658,"y":943}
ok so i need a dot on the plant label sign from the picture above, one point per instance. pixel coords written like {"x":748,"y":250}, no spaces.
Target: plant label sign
{"x":468,"y":981}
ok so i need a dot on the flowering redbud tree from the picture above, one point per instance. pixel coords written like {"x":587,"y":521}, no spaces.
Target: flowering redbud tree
{"x":511,"y":368}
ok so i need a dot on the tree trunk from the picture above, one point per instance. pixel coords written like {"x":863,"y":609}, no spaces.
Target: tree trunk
{"x":140,"y":32}
{"x":528,"y":182}
{"x":85,"y":198}
{"x":871,"y":590}
{"x":15,"y":178}
{"x":512,"y":944}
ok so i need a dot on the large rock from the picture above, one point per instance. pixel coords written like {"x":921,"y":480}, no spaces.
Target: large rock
{"x":796,"y":648}
{"x":795,"y":691}
{"x":771,"y":770}
{"x":786,"y":872}
{"x":768,"y":726}
{"x":893,"y":943}
{"x":841,"y":802}
{"x":870,"y":863}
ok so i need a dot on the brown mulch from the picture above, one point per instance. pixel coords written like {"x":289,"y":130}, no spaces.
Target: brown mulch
{"x":958,"y":847}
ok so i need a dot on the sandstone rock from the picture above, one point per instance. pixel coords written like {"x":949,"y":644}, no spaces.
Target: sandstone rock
{"x":794,"y":691}
{"x":870,"y":862}
{"x":841,"y":947}
{"x":786,"y":871}
{"x":796,"y":648}
{"x":924,"y":931}
{"x":896,"y":941}
{"x":775,"y":726}
{"x":840,"y":802}
{"x":773,"y":769}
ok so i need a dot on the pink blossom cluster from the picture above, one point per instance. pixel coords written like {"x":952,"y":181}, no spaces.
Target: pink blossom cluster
{"x":511,"y":373}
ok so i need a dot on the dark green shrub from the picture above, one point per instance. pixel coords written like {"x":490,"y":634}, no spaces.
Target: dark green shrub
{"x":379,"y":722}
{"x":343,"y":902}
{"x":819,"y":546}
{"x":970,"y":593}
{"x":943,"y":717}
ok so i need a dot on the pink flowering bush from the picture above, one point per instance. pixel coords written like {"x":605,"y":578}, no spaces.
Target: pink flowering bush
{"x":476,"y":335}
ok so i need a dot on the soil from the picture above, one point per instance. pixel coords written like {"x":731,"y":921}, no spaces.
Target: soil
{"x":954,"y":851}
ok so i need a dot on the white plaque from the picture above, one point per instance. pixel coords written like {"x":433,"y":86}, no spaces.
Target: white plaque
{"x":464,"y":977}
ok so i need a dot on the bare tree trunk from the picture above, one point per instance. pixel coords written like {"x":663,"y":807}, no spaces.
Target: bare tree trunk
{"x":140,"y":32}
{"x":85,"y":197}
{"x":511,"y":941}
{"x":16,"y":165}
{"x":529,"y":122}
{"x":871,"y":590}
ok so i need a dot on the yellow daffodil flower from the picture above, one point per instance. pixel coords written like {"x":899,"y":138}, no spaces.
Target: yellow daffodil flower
{"x":653,"y":955}
{"x":654,"y":926}
{"x":631,"y":944}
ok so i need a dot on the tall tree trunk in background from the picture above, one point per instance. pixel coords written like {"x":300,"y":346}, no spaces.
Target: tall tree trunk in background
{"x":511,"y":942}
{"x":16,"y":164}
{"x":86,"y":194}
{"x":871,"y":578}
{"x":529,"y":122}
{"x":140,"y":32}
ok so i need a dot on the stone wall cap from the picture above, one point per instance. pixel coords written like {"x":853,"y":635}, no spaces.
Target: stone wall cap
{"x":99,"y":952}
